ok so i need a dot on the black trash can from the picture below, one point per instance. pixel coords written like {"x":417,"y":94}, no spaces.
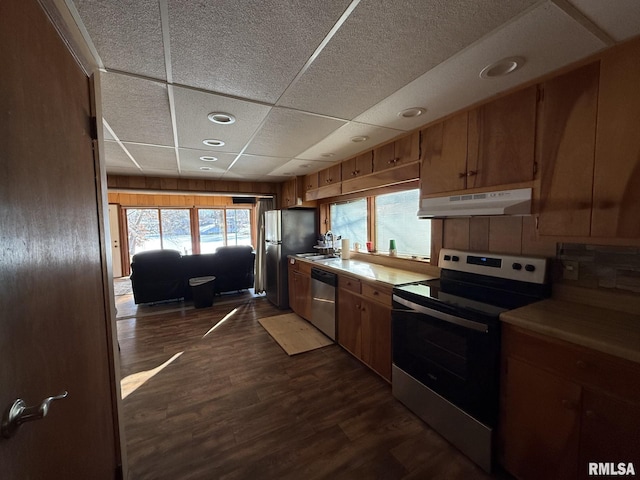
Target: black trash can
{"x":202,"y":291}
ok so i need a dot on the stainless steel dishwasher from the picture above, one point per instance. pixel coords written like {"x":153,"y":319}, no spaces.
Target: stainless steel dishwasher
{"x":323,"y":301}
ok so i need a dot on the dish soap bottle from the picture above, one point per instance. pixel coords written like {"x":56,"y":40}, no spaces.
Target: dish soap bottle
{"x":392,"y":248}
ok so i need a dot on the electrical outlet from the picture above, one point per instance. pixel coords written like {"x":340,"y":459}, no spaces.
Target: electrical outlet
{"x":570,"y":269}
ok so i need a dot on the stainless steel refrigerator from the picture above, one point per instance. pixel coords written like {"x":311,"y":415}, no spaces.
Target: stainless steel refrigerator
{"x":286,"y":232}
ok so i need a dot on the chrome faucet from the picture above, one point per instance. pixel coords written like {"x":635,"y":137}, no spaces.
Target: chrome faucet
{"x":328,"y":239}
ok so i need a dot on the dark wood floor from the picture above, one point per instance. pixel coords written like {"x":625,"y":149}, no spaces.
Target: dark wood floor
{"x":233,"y":405}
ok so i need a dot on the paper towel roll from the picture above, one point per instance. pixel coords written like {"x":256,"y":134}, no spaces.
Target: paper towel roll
{"x":345,"y":249}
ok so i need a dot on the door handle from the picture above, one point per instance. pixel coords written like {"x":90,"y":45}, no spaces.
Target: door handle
{"x":19,"y":413}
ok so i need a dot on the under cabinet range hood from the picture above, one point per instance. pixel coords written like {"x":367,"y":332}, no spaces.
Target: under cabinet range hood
{"x":505,"y":202}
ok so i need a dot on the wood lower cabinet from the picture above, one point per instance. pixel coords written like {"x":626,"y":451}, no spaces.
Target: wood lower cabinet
{"x":300,"y":288}
{"x":564,"y":406}
{"x":364,"y":323}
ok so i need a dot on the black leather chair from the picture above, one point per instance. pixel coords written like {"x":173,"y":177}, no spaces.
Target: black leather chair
{"x":234,"y":268}
{"x":157,"y":275}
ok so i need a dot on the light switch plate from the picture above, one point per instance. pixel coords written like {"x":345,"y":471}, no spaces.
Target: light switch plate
{"x":570,"y":269}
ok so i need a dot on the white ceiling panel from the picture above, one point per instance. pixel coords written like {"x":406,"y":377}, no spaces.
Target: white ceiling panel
{"x":286,"y":133}
{"x":137,"y":109}
{"x":339,"y":142}
{"x":192,"y":108}
{"x":619,"y":19}
{"x":246,"y":48}
{"x":384,"y":45}
{"x":251,"y":177}
{"x":298,"y":167}
{"x":190,"y":160}
{"x":116,"y":157}
{"x":126,"y":34}
{"x":152,"y":159}
{"x":546,"y":37}
{"x":257,"y":165}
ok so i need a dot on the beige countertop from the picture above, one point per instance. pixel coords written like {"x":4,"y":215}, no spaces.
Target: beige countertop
{"x":368,"y":271}
{"x":610,"y":331}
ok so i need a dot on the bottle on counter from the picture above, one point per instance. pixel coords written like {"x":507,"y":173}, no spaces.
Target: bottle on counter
{"x":392,"y":248}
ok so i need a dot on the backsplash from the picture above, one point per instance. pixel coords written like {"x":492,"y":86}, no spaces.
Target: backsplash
{"x":600,"y":266}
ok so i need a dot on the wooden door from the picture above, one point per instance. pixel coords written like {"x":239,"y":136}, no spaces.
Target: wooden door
{"x":610,"y":431}
{"x":349,"y":324}
{"x":444,"y":156}
{"x":616,"y":190}
{"x":502,"y":140}
{"x":540,"y":423}
{"x":376,"y":337}
{"x":54,"y":330}
{"x":566,"y":151}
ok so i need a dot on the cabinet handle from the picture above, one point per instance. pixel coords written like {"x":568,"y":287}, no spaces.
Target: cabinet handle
{"x":354,"y":173}
{"x":376,"y":292}
{"x":462,"y":175}
{"x":471,"y":173}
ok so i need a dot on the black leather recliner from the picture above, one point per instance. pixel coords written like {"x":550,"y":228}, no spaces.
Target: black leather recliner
{"x":234,"y":268}
{"x":157,"y":275}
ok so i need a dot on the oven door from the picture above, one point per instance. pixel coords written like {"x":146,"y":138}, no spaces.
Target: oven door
{"x":455,"y":357}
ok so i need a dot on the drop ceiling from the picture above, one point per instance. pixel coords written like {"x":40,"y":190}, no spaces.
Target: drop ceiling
{"x":302,"y":78}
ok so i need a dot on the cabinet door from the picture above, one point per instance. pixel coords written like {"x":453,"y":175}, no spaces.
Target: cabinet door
{"x":567,"y":148}
{"x":311,"y":181}
{"x":349,"y":324}
{"x":289,"y":193}
{"x":293,"y":279}
{"x":303,"y":295}
{"x":407,"y":149}
{"x":376,"y":337}
{"x":444,"y":156}
{"x":540,"y":423}
{"x":616,"y":193}
{"x":329,"y":176}
{"x":502,"y":140}
{"x":610,"y":431}
{"x":384,"y":157}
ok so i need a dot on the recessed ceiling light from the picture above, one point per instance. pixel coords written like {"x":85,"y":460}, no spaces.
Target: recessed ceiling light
{"x":412,"y":112}
{"x":328,"y":155}
{"x":221,"y":118}
{"x":208,"y":159}
{"x":206,"y":168}
{"x":359,"y":138}
{"x":213,"y":143}
{"x":502,"y":67}
{"x":306,"y":165}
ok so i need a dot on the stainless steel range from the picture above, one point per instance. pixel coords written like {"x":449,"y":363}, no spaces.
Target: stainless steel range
{"x":446,"y":342}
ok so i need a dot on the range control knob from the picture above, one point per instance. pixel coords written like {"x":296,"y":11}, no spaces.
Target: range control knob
{"x":447,"y":257}
{"x":529,"y":268}
{"x":455,"y":258}
{"x":517,"y":266}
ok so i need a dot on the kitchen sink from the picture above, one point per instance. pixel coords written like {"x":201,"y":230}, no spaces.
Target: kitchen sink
{"x":314,"y":256}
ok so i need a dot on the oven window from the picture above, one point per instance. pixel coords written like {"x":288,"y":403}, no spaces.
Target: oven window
{"x":441,"y":346}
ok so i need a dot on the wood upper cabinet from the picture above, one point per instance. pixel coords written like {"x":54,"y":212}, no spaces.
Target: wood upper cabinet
{"x":566,"y":146}
{"x":501,"y":140}
{"x":616,"y":189}
{"x":329,"y":176}
{"x":357,"y":166}
{"x":444,"y":156}
{"x":289,"y":193}
{"x":310,"y":181}
{"x":402,"y":151}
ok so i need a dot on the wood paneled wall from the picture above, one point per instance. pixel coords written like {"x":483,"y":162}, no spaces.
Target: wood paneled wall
{"x":171,"y":200}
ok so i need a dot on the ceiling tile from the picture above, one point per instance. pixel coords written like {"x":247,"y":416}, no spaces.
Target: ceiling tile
{"x":257,"y":165}
{"x":546,"y":37}
{"x":117,"y":158}
{"x":298,"y":167}
{"x":339,"y":142}
{"x":153,"y":159}
{"x":190,"y":160}
{"x":246,"y":48}
{"x":285,"y":133}
{"x":192,"y":108}
{"x":620,"y":23}
{"x":137,"y":109}
{"x":386,"y":44}
{"x":127,"y":35}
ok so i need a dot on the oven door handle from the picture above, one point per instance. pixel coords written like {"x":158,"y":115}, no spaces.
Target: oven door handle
{"x":462,"y":322}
